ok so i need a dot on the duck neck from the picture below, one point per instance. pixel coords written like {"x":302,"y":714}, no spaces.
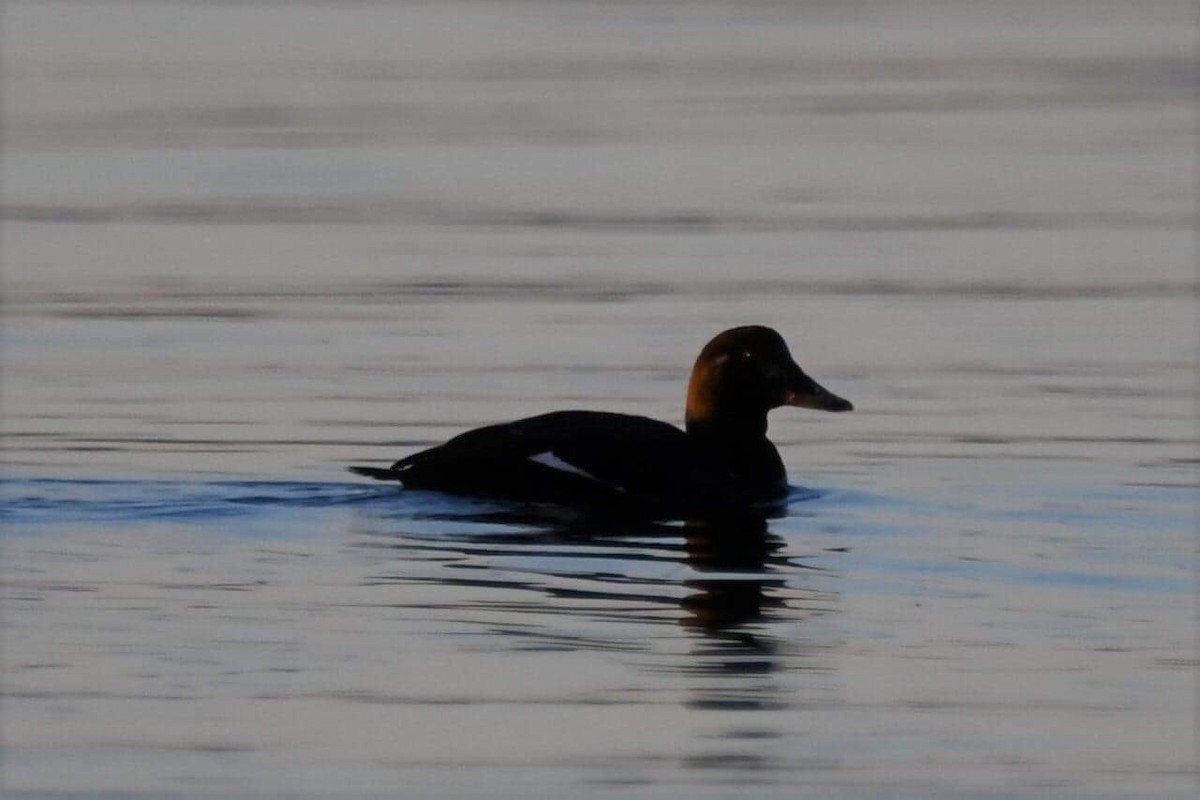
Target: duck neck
{"x":727,"y":427}
{"x":740,"y":443}
{"x":730,"y":425}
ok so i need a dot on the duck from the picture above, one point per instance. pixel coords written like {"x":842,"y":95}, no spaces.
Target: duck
{"x":720,"y":461}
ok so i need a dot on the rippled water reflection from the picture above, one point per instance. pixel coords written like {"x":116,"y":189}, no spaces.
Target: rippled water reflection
{"x":247,"y":244}
{"x":375,"y":635}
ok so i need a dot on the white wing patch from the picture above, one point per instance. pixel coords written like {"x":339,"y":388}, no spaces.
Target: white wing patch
{"x":548,"y":459}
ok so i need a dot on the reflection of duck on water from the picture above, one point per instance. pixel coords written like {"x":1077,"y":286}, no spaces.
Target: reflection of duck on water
{"x":635,"y":465}
{"x":730,"y":560}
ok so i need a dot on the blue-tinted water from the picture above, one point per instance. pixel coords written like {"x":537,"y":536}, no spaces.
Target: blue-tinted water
{"x":794,"y":646}
{"x":1145,"y":520}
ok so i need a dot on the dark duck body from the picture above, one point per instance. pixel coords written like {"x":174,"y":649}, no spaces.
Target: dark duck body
{"x":609,"y":462}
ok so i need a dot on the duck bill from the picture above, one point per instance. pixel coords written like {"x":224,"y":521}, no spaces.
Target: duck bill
{"x":807,"y":393}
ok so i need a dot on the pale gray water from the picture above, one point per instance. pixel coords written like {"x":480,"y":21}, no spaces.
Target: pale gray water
{"x":248,"y":244}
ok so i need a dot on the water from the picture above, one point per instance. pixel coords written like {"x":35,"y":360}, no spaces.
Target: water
{"x":249,"y":244}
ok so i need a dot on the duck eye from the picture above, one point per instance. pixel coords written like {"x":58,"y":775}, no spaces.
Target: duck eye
{"x":745,"y":354}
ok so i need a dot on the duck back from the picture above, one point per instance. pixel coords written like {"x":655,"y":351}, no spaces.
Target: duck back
{"x":581,"y":458}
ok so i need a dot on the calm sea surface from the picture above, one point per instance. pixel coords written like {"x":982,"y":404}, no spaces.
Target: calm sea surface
{"x":247,"y":244}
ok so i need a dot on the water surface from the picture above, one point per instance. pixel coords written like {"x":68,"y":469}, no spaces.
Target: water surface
{"x":249,"y":244}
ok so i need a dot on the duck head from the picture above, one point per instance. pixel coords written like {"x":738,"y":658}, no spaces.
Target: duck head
{"x":745,"y":372}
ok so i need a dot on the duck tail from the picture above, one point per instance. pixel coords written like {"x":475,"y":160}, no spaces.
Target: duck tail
{"x":378,"y":473}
